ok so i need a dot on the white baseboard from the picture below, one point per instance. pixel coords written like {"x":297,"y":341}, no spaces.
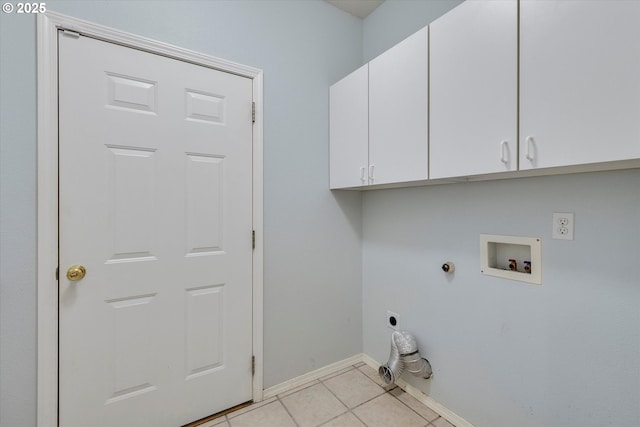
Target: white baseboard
{"x":311,"y":376}
{"x":429,"y":402}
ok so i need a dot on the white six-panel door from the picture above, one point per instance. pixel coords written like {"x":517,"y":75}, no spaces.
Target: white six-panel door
{"x":156,"y":203}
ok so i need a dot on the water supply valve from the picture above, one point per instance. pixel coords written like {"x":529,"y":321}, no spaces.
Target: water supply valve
{"x":448,"y":267}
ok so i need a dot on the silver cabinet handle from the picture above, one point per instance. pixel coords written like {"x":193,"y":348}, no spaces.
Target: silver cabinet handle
{"x":504,"y":152}
{"x":529,"y":153}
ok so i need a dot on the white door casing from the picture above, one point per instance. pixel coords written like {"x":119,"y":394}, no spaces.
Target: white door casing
{"x":139,"y":376}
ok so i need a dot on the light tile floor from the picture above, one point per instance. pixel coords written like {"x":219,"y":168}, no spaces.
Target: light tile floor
{"x":352,"y":397}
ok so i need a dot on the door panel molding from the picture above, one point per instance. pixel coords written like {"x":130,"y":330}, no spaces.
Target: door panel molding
{"x":48,"y":25}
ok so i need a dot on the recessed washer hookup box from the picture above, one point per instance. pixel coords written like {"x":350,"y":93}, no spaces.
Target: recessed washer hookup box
{"x":511,"y":257}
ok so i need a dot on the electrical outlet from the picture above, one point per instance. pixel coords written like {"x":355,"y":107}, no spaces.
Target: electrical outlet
{"x":562,"y":226}
{"x":392,"y":320}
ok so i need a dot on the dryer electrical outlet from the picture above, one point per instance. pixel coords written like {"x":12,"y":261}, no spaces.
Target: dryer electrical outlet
{"x":392,"y":320}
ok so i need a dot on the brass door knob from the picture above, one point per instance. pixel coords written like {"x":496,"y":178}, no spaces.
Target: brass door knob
{"x":76,"y":272}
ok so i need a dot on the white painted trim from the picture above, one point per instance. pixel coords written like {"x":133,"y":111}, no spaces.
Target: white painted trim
{"x":311,"y":376}
{"x":428,"y":401}
{"x":57,"y":20}
{"x":258,"y":226}
{"x":47,"y":192}
{"x":370,"y":361}
{"x":47,"y":223}
{"x":437,"y":407}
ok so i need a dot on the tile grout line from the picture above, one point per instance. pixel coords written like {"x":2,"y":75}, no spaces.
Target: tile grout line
{"x":328,"y":377}
{"x":280,"y":398}
{"x":287,"y":409}
{"x":405,"y":404}
{"x":389,"y":392}
{"x":384,"y":391}
{"x":297,"y":389}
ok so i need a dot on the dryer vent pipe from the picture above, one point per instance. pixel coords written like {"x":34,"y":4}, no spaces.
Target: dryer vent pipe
{"x":404,"y":354}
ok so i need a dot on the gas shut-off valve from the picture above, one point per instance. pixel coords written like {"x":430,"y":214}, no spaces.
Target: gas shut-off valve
{"x":448,"y":267}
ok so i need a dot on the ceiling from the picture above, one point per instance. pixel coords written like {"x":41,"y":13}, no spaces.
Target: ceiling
{"x":359,"y":8}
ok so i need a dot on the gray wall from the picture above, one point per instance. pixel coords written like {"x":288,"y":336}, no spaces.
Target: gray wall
{"x":395,"y":20}
{"x":506,"y":353}
{"x":312,"y":279}
{"x":17,"y":221}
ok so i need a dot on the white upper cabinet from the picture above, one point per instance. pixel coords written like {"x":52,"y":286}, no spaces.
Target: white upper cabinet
{"x":398,"y":100}
{"x":495,"y":86}
{"x":579,"y":82}
{"x":473,"y":68}
{"x":349,"y":130}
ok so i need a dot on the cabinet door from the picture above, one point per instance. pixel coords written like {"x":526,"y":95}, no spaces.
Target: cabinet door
{"x":473,"y":66}
{"x":349,"y":130}
{"x":398,"y":97}
{"x":580,"y":82}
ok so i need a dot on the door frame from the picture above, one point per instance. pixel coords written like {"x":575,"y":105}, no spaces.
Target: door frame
{"x":48,"y":25}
